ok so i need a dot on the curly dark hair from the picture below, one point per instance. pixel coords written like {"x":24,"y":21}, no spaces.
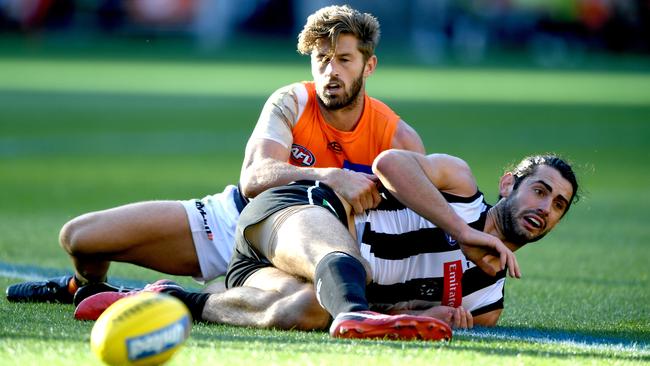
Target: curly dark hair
{"x":529,"y":164}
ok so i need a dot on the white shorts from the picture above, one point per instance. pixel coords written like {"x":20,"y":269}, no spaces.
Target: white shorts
{"x":212,"y":221}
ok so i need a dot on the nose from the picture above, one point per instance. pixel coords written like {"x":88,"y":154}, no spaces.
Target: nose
{"x":544,"y":207}
{"x":331,"y":69}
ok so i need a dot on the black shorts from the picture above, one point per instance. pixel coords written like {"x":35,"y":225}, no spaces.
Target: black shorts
{"x":247,"y":260}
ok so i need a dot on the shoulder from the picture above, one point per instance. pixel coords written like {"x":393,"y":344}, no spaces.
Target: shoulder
{"x":280,"y":114}
{"x":406,"y":138}
{"x":450,"y":162}
{"x":379,"y":107}
{"x":286,"y":104}
{"x":295,"y":93}
{"x":454,"y":175}
{"x":378,"y":104}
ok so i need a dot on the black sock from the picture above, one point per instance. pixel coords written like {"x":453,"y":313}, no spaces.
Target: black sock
{"x":195,"y":301}
{"x":340,"y":281}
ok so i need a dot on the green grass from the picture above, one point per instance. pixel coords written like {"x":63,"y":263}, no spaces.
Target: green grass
{"x":79,"y":135}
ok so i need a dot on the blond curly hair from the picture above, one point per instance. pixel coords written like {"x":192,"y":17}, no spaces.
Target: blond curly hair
{"x":332,"y":21}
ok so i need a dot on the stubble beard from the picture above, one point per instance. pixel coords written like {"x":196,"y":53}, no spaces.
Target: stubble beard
{"x":513,"y":232}
{"x":347,"y":100}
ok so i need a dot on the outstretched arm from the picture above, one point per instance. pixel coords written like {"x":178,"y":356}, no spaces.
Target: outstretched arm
{"x":416,"y":180}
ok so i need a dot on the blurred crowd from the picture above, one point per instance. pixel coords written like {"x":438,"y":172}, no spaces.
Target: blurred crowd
{"x":436,"y":29}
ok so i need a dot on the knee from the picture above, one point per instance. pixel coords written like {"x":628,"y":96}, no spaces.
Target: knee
{"x":368,"y":269}
{"x":366,"y":265}
{"x":73,"y":238}
{"x":299,"y":311}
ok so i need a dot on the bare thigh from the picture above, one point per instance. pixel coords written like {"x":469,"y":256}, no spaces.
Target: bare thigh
{"x":295,"y":239}
{"x":153,"y":234}
{"x":276,"y":280}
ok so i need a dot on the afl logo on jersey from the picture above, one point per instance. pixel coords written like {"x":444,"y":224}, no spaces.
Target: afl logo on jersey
{"x":450,"y":240}
{"x":301,"y":156}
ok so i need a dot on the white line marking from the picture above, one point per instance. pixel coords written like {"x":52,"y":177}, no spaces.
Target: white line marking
{"x":576,"y":340}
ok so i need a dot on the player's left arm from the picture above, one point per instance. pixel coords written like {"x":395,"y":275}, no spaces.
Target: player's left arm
{"x":406,"y":138}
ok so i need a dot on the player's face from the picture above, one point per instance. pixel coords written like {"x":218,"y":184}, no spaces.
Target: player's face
{"x":536,"y":206}
{"x":339,"y":77}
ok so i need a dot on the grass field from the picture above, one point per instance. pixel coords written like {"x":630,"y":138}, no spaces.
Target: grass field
{"x":79,"y":135}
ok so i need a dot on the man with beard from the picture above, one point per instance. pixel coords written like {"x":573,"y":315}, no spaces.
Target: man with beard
{"x":293,"y":236}
{"x":308,"y":130}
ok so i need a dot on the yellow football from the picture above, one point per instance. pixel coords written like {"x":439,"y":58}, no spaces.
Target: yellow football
{"x":143,"y":329}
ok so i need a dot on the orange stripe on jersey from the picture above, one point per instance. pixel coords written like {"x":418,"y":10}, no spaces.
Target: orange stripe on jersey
{"x":317,"y":144}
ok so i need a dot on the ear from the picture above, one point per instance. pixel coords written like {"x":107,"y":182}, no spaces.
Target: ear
{"x":506,"y":184}
{"x":370,"y":66}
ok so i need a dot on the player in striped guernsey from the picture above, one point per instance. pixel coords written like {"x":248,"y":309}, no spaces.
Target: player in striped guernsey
{"x":417,"y":265}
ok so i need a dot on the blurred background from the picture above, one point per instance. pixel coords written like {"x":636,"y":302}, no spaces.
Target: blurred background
{"x":548,"y":33}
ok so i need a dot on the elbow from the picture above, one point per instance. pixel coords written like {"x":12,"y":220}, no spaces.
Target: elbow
{"x":488,"y":319}
{"x":489,"y":323}
{"x":250,"y":187}
{"x":250,"y":184}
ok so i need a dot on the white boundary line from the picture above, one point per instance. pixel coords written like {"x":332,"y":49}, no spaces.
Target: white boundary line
{"x":576,"y":340}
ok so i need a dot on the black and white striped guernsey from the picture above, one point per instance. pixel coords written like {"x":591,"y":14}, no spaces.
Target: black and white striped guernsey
{"x":416,"y":265}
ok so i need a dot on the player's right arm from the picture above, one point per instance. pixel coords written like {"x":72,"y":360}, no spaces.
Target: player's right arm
{"x":266,"y":166}
{"x":266,"y":160}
